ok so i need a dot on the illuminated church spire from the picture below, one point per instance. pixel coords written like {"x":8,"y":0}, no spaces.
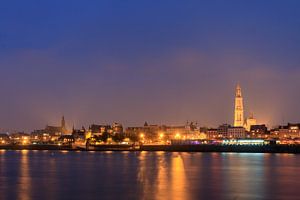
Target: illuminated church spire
{"x":238,"y":107}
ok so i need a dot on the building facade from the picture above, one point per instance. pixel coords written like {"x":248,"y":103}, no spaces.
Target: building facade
{"x":238,"y":108}
{"x":250,"y":121}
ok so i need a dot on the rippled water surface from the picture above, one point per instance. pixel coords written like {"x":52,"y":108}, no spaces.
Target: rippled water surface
{"x":148,"y":175}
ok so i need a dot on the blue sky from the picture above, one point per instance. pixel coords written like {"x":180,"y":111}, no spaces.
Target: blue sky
{"x":157,"y":61}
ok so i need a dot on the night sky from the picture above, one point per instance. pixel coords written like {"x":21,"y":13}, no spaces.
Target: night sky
{"x":164,"y":62}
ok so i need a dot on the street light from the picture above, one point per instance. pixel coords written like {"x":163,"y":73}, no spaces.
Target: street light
{"x":161,"y":135}
{"x":177,"y":136}
{"x":142,"y":135}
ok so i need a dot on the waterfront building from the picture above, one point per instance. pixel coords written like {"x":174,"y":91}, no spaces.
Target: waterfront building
{"x":79,"y":134}
{"x":105,"y":133}
{"x":39,"y":136}
{"x":43,"y":136}
{"x":289,"y":131}
{"x":57,"y":130}
{"x":158,"y":133}
{"x":223,"y":130}
{"x":238,"y":108}
{"x":50,"y":134}
{"x":20,"y":138}
{"x":203,"y":129}
{"x":212,"y":133}
{"x":259,"y":131}
{"x":66,"y":139}
{"x":274,"y":133}
{"x":176,"y":132}
{"x":189,"y":131}
{"x":250,"y":121}
{"x":4,"y":139}
{"x":117,"y":128}
{"x":236,"y":132}
{"x":98,"y":130}
{"x":143,"y":133}
{"x":228,"y":131}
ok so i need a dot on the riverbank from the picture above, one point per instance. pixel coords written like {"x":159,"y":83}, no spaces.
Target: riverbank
{"x":224,"y":148}
{"x":168,"y":148}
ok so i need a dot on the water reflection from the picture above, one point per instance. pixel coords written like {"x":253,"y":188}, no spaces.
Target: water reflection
{"x":24,"y":182}
{"x":178,"y":180}
{"x":162,"y":176}
{"x":243,"y":176}
{"x":147,"y":175}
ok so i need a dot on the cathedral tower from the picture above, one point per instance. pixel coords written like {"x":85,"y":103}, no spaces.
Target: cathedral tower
{"x":63,"y":125}
{"x":238,"y":108}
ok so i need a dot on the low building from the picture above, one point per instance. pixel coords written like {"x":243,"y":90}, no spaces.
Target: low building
{"x":259,"y":131}
{"x":79,"y":133}
{"x":163,"y":133}
{"x":212,"y":133}
{"x":117,"y":128}
{"x":100,"y":129}
{"x":228,"y":131}
{"x":146,"y":132}
{"x":289,"y":131}
{"x":20,"y":138}
{"x":223,"y":130}
{"x":274,"y":133}
{"x":236,"y":132}
{"x":66,"y":139}
{"x":4,"y":139}
{"x":44,"y":136}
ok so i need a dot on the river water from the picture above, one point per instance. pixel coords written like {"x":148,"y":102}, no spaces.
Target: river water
{"x":147,"y":175}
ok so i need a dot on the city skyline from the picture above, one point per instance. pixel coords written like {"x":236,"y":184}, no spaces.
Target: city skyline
{"x":239,"y":119}
{"x":103,"y":62}
{"x":149,"y":99}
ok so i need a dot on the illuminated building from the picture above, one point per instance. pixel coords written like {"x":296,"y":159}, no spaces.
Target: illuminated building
{"x":105,"y":133}
{"x":223,"y":130}
{"x":274,"y":133}
{"x":66,"y":139}
{"x":100,"y":129}
{"x":152,"y":133}
{"x":258,"y":131}
{"x":244,"y":142}
{"x":227,"y":131}
{"x":289,"y":131}
{"x":57,"y":130}
{"x":144,"y":133}
{"x":79,"y":135}
{"x":250,"y":121}
{"x":20,"y":138}
{"x":4,"y":139}
{"x":238,"y":108}
{"x":117,"y":128}
{"x":50,"y":133}
{"x":176,"y":131}
{"x":212,"y":133}
{"x":236,"y":132}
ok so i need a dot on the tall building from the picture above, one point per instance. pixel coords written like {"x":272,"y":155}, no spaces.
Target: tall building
{"x":238,"y":108}
{"x":63,"y":125}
